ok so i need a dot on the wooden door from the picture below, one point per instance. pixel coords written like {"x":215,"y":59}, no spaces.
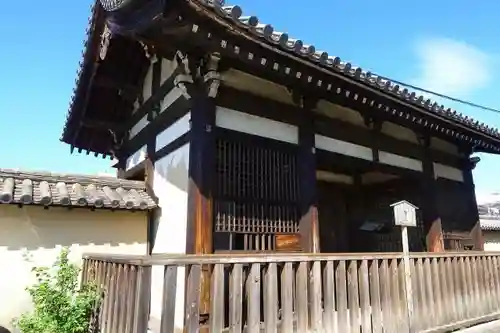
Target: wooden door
{"x":333,"y":218}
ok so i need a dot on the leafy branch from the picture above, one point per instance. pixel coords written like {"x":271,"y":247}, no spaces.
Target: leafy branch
{"x":60,"y":304}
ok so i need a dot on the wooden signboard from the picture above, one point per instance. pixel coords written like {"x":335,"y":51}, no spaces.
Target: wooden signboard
{"x":288,"y":243}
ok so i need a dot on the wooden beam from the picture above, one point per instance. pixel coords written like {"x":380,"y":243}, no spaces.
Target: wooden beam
{"x":330,"y":127}
{"x":308,"y":224}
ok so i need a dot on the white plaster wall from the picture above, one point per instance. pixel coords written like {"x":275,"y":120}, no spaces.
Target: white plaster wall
{"x":257,"y":86}
{"x":444,"y":146}
{"x":167,"y":69}
{"x":42,"y":233}
{"x":399,"y":132}
{"x":171,"y":187}
{"x":400,"y":161}
{"x":339,"y":112}
{"x":168,"y":100}
{"x":491,"y":240}
{"x":136,"y":158}
{"x":343,"y":147}
{"x":250,"y":124}
{"x":148,"y":83}
{"x":137,"y":128}
{"x":169,"y":134}
{"x":448,"y":172}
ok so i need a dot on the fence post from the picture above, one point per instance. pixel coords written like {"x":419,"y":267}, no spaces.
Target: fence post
{"x":407,"y":270}
{"x":142,"y":297}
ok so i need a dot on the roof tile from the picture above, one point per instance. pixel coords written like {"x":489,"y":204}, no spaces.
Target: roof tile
{"x":49,"y":189}
{"x":266,"y":33}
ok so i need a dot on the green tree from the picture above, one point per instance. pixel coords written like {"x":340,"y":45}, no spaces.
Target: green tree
{"x":60,"y":304}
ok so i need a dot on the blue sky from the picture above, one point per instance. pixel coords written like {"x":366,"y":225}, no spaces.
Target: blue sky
{"x":448,"y":46}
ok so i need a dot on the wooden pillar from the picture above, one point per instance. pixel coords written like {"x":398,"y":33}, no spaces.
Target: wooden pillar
{"x":201,"y":172}
{"x":199,"y":83}
{"x":432,"y":221}
{"x":308,"y":225}
{"x":152,"y":218}
{"x":200,"y":86}
{"x":476,"y":232}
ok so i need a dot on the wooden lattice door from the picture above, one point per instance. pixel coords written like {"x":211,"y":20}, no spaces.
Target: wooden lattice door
{"x":256,"y":195}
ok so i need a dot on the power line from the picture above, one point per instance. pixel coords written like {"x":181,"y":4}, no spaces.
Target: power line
{"x":460,"y":101}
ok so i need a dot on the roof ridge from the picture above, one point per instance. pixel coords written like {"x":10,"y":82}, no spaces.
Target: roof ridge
{"x":67,"y":177}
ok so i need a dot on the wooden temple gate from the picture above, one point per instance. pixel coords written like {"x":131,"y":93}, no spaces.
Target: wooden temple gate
{"x":234,"y":126}
{"x":302,"y":292}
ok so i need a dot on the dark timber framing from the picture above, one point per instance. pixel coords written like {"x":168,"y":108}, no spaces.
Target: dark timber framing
{"x":330,"y":127}
{"x":476,"y":232}
{"x":432,"y":221}
{"x":308,"y":225}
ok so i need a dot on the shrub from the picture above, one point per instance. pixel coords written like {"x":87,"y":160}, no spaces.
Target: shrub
{"x":60,"y":305}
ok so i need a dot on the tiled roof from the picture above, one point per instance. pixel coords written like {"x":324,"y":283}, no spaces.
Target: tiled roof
{"x":87,"y":64}
{"x":490,"y":223}
{"x":266,"y":33}
{"x":49,"y":189}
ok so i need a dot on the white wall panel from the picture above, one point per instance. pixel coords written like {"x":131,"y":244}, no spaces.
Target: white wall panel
{"x":259,"y":126}
{"x":399,"y":161}
{"x":136,"y":158}
{"x":343,"y":147}
{"x":170,"y":185}
{"x":448,"y":172}
{"x":174,"y":131}
{"x":141,"y":124}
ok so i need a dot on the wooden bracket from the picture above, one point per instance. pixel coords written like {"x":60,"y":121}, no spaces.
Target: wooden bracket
{"x":373,"y":122}
{"x":304,"y":101}
{"x":424,"y":139}
{"x":473,"y":161}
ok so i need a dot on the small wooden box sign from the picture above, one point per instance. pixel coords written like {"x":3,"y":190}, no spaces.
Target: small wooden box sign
{"x":288,"y":243}
{"x":405,"y":214}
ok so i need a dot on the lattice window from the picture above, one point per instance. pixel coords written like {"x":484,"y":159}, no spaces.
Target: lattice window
{"x":256,"y":192}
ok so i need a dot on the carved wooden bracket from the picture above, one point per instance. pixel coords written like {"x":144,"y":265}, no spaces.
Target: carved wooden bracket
{"x":211,"y":77}
{"x":473,"y":161}
{"x":423,"y":139}
{"x":198,"y":72}
{"x":373,"y":122}
{"x":303,"y":101}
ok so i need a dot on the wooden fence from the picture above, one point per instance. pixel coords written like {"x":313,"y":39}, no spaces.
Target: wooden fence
{"x":303,"y":293}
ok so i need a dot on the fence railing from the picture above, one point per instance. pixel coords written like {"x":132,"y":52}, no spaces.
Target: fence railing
{"x":303,"y":292}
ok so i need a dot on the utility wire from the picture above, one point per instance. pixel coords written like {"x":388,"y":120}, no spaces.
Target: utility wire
{"x":461,"y":101}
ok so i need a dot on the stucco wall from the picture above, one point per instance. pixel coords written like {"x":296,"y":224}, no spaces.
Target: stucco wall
{"x":491,"y":240}
{"x":171,"y":188}
{"x":41,"y":233}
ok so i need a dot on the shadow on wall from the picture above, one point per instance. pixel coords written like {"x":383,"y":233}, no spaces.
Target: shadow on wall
{"x":33,"y":227}
{"x":173,"y":168}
